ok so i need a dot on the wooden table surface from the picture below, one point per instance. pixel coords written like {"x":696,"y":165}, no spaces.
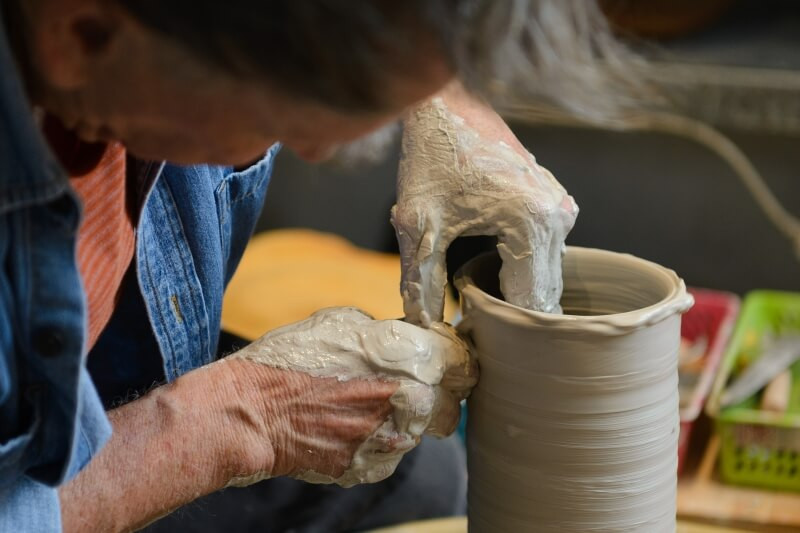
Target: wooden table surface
{"x":459,"y":525}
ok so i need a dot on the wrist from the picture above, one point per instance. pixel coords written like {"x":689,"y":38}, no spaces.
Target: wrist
{"x":265,"y":396}
{"x":233,"y":418}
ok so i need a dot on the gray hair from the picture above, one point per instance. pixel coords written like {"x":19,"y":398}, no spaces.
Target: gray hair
{"x":550,"y":52}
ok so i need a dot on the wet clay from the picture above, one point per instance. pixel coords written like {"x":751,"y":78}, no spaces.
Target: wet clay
{"x":432,"y":367}
{"x":573,"y":425}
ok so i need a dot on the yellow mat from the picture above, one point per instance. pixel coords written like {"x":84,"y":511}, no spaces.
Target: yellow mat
{"x":285,"y":275}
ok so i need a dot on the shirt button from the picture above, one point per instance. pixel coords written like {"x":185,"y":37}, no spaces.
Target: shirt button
{"x":48,"y":342}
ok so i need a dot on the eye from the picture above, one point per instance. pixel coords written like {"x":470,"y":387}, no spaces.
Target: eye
{"x":93,"y":34}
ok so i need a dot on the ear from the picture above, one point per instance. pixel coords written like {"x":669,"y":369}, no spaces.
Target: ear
{"x":71,"y":38}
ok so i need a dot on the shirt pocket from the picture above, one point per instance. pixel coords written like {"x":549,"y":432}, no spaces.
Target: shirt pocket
{"x":239,"y":197}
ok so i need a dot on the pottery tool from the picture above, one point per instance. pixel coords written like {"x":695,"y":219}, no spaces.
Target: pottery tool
{"x":776,"y":394}
{"x":691,"y":361}
{"x":691,"y":353}
{"x":691,"y":358}
{"x":775,"y":359}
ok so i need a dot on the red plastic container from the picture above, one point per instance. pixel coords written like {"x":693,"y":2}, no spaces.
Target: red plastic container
{"x":713,"y":316}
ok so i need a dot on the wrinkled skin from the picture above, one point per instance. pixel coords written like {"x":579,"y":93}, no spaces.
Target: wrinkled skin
{"x":431,"y":368}
{"x":466,"y":174}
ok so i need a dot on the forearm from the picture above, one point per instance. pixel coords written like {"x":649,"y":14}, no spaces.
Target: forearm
{"x":262,"y":413}
{"x":177,"y":443}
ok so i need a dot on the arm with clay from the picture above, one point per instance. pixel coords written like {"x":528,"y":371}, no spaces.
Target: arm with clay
{"x":338,"y":397}
{"x":463,"y":172}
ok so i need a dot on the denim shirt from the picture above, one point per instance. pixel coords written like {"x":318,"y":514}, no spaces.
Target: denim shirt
{"x":192,"y":231}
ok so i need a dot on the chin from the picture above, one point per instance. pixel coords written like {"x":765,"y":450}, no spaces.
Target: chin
{"x":170,"y":148}
{"x":162,"y":150}
{"x":185,"y":157}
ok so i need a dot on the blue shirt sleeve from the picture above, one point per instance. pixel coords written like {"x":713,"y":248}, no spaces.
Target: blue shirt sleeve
{"x":29,"y":506}
{"x":93,"y":427}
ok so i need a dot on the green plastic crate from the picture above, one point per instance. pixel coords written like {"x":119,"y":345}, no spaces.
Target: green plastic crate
{"x":759,"y":448}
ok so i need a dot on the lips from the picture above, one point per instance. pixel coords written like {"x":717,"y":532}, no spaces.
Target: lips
{"x":91,"y":133}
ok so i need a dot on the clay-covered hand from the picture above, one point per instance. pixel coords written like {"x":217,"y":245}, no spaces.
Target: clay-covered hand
{"x":393,"y":378}
{"x":463,"y":172}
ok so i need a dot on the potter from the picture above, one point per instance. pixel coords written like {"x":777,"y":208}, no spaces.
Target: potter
{"x":159,"y":123}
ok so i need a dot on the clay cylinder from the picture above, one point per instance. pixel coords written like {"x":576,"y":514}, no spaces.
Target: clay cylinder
{"x":573,"y":425}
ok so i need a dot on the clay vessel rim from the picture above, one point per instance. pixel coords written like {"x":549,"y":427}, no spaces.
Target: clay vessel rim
{"x":677,"y":301}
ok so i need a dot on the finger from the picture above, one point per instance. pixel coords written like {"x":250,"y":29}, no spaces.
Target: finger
{"x":400,"y":349}
{"x":527,"y":277}
{"x":413,"y":407}
{"x":531,"y":250}
{"x":378,"y":457}
{"x":423,"y":265}
{"x":389,"y":441}
{"x":460,"y":368}
{"x":446,"y":413}
{"x":461,"y":379}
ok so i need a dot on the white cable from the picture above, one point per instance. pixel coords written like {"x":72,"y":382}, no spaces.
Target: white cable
{"x":693,"y":129}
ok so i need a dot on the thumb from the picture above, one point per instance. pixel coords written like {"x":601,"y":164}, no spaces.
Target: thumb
{"x":446,"y":413}
{"x":460,"y":367}
{"x":423,"y":248}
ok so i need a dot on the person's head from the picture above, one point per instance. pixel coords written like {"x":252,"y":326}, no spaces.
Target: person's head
{"x":209,"y":81}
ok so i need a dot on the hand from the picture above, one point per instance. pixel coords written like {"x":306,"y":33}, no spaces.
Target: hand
{"x":462,"y":172}
{"x":355,"y":393}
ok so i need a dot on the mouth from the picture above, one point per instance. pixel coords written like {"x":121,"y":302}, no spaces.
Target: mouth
{"x":93,"y":134}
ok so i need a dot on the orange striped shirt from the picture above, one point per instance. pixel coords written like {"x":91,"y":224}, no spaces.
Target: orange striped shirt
{"x":106,"y":236}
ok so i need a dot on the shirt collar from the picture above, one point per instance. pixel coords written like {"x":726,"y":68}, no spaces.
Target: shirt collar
{"x":29,"y":172}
